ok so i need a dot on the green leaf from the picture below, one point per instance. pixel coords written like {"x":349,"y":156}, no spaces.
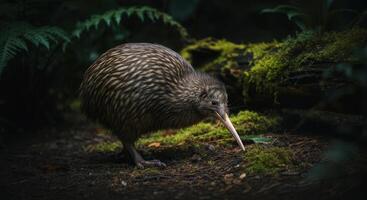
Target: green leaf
{"x":299,"y":23}
{"x":151,"y":16}
{"x":140,"y":14}
{"x":117,"y":15}
{"x":60,"y":33}
{"x":281,"y":9}
{"x":293,"y":13}
{"x":107,"y":17}
{"x":256,"y":139}
{"x":95,"y":21}
{"x":261,"y":140}
{"x":77,"y":32}
{"x":130,"y":11}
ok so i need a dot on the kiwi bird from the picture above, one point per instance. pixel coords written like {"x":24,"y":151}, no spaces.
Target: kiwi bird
{"x":138,"y":88}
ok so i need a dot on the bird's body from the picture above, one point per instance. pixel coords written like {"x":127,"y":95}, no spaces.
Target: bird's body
{"x":131,"y":89}
{"x":138,"y":88}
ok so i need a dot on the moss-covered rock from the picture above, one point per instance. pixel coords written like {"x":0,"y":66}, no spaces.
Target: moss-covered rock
{"x":245,"y":122}
{"x":278,"y":73}
{"x":267,"y":160}
{"x":274,"y":66}
{"x":224,"y":54}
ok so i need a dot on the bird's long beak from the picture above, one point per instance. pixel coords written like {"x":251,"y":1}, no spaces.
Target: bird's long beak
{"x":227,"y":122}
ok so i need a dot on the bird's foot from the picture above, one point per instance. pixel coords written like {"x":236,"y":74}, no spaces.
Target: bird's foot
{"x":150,"y":163}
{"x":139,"y":160}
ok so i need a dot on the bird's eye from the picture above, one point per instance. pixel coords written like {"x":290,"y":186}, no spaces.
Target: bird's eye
{"x":215,"y":103}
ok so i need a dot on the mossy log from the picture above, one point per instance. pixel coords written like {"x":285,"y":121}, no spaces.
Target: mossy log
{"x":298,"y":72}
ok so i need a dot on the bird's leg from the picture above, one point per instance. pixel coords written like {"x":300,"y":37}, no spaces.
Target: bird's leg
{"x":139,"y":160}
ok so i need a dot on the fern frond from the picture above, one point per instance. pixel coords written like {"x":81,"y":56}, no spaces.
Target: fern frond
{"x":9,"y":49}
{"x":115,"y":17}
{"x":14,"y":39}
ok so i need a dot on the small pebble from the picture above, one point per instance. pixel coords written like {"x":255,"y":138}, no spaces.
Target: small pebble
{"x":123,"y":183}
{"x":211,"y":147}
{"x":242,"y":176}
{"x":228,"y":178}
{"x":228,"y":175}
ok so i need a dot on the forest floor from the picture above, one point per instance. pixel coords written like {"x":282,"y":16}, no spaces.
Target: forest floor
{"x":59,"y":164}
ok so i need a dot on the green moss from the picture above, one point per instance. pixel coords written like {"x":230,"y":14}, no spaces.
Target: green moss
{"x":225,"y":47}
{"x":259,"y":50}
{"x":226,"y":50}
{"x":105,"y":147}
{"x":265,"y":66}
{"x":245,"y":122}
{"x":267,"y":160}
{"x":342,"y":44}
{"x":273,"y":65}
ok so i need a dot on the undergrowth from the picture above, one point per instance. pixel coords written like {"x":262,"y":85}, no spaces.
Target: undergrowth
{"x":245,"y":122}
{"x":267,"y":160}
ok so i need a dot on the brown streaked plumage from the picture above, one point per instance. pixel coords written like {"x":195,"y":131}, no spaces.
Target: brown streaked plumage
{"x":138,"y":88}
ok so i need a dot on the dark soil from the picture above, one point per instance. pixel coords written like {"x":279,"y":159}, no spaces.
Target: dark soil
{"x":54,"y":164}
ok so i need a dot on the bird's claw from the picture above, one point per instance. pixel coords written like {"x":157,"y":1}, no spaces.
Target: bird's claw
{"x":150,"y":163}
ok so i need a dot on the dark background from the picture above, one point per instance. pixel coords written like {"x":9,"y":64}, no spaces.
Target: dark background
{"x":41,"y":72}
{"x":39,"y":85}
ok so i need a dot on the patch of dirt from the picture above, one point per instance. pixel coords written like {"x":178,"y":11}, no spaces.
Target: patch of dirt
{"x":55,"y":164}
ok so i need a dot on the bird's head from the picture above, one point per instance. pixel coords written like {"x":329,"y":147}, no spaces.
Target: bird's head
{"x":212,"y":101}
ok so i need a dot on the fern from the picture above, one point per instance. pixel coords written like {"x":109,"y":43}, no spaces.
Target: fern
{"x":115,"y":16}
{"x":315,"y":14}
{"x":15,"y":38}
{"x":293,"y":13}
